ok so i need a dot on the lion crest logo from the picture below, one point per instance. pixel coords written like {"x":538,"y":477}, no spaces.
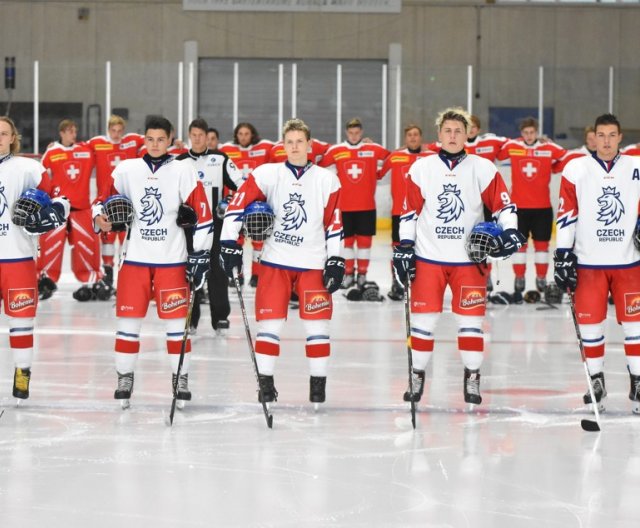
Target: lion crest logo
{"x":611,"y":208}
{"x":294,"y":213}
{"x":451,"y":205}
{"x":151,"y":206}
{"x":3,"y":201}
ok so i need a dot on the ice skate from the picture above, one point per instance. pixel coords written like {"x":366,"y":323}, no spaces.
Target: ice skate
{"x":183,"y":392}
{"x":417,"y":382}
{"x":347,"y":282}
{"x":634,"y":393}
{"x":518,"y":284}
{"x":222,"y":327}
{"x":396,"y":293}
{"x":541,"y":284}
{"x":268,"y":389}
{"x":599,"y":391}
{"x":362,"y":278}
{"x":21,"y":379}
{"x":124,"y":390}
{"x":83,"y":294}
{"x":46,"y":287}
{"x":101,"y":291}
{"x":472,"y":386}
{"x":317,"y":394}
{"x":108,"y":275}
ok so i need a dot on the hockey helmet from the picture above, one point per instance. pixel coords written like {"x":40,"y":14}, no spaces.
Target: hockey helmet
{"x":553,"y":294}
{"x":501,"y":297}
{"x":532,"y":297}
{"x":481,"y":241}
{"x":371,"y":292}
{"x":118,"y":209}
{"x":258,"y":220}
{"x":30,"y":202}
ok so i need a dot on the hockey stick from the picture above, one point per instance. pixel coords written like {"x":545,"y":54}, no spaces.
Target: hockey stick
{"x":587,"y":425}
{"x":183,"y":348}
{"x":236,"y":282}
{"x":407,"y":319}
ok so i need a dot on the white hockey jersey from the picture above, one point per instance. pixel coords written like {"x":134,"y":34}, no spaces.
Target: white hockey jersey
{"x":155,"y":238}
{"x":598,"y":211}
{"x":308,"y":224}
{"x":17,"y":174}
{"x":445,"y":201}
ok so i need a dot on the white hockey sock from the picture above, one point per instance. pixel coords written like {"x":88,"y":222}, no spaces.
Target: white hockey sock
{"x":21,"y":334}
{"x":175,"y":359}
{"x":420,"y":360}
{"x":126,"y":363}
{"x":174,"y":329}
{"x":593,"y":341}
{"x":595,"y":365}
{"x":631,"y":346}
{"x":318,"y":366}
{"x":22,"y":357}
{"x":471,"y":360}
{"x":128,"y":332}
{"x":266,"y":364}
{"x":634,"y":365}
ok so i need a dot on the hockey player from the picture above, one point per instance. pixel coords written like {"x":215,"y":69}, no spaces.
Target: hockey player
{"x":18,"y":279}
{"x":484,"y":145}
{"x":278,"y":153}
{"x":302,"y":254}
{"x":154,"y":265}
{"x":587,"y":149}
{"x":213,"y":138}
{"x":631,"y":150}
{"x":445,"y":199}
{"x":597,"y":253}
{"x":357,"y":164}
{"x":70,"y":165}
{"x":248,"y":151}
{"x":108,"y":151}
{"x":216,"y":172}
{"x":532,"y":161}
{"x":397,"y":166}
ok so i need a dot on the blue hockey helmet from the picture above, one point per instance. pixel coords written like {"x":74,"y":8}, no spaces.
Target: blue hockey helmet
{"x":30,"y":202}
{"x":118,"y":209}
{"x":258,"y":220}
{"x":481,"y":240}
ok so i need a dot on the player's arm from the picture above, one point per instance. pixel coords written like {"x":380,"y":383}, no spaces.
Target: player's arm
{"x":248,"y":192}
{"x":203,"y":230}
{"x":411,"y":209}
{"x":567,"y":216}
{"x":503,"y":153}
{"x":386,"y":167}
{"x":232,"y":176}
{"x":496,"y":198}
{"x":333,"y":225}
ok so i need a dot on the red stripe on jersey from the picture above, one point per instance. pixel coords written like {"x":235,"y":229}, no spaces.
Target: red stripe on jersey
{"x":316,"y":351}
{"x":266,"y":348}
{"x":23,"y":341}
{"x":127,"y":347}
{"x":421,"y":345}
{"x":471,"y":344}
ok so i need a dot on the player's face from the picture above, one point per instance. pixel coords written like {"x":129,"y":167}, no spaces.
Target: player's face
{"x":198,"y":139}
{"x":157,"y":142}
{"x":590,"y":141}
{"x":296,"y":145}
{"x":244,"y":137}
{"x":529,"y":134}
{"x":68,"y":136}
{"x":452,"y":135}
{"x":473,"y":131}
{"x":608,"y":138}
{"x":413,"y":138}
{"x":354,"y":135}
{"x":212,"y":140}
{"x":116,"y":133}
{"x":6,"y":138}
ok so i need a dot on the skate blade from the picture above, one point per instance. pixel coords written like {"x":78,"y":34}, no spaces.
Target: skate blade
{"x":635,"y":408}
{"x":125,"y":404}
{"x":601,"y":407}
{"x":180,"y":404}
{"x":19,"y":402}
{"x":316,"y":406}
{"x":221,"y":333}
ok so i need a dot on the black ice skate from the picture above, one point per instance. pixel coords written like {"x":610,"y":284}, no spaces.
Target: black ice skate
{"x":347,"y":282}
{"x":124,"y":390}
{"x":183,"y":392}
{"x":83,"y":294}
{"x":317,"y":386}
{"x":541,"y":284}
{"x":108,"y":275}
{"x":472,"y":386}
{"x":221,"y":327}
{"x":518,"y":284}
{"x":268,"y":389}
{"x":417,"y":382}
{"x":396,"y":293}
{"x":599,"y":391}
{"x":46,"y":287}
{"x":102,"y":290}
{"x":634,"y":393}
{"x":21,"y":379}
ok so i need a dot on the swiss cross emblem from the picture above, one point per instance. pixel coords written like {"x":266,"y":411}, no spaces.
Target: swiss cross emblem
{"x":114,"y":161}
{"x":247,"y":166}
{"x":355,"y":171}
{"x":530,"y":169}
{"x":73,"y":171}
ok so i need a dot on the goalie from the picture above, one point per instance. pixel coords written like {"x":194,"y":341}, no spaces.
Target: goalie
{"x":25,"y":209}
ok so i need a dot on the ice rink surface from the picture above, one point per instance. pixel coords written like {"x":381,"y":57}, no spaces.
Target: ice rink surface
{"x":69,"y":456}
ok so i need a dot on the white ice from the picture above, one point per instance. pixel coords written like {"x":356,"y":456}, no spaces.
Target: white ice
{"x":69,"y":456}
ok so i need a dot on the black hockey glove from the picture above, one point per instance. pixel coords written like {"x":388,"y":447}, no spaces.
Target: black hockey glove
{"x":565,"y":269}
{"x":333,"y":274}
{"x":636,"y":235}
{"x":404,"y":263}
{"x":507,"y":243}
{"x":46,"y":219}
{"x":230,"y":258}
{"x":187,"y":217}
{"x":197,"y":267}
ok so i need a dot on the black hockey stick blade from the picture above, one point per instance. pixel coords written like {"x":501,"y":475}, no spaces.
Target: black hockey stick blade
{"x":590,"y":425}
